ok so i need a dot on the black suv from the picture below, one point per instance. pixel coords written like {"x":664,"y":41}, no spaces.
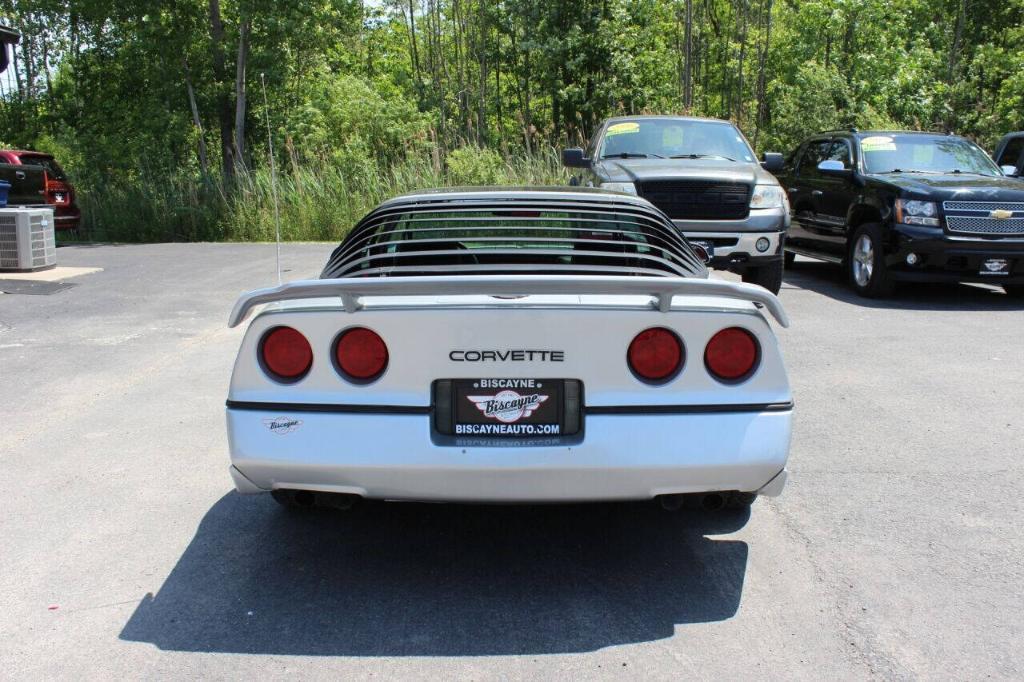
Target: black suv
{"x":894,"y":206}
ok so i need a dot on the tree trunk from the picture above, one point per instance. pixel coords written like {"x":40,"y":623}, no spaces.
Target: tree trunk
{"x":742,"y":58}
{"x":30,"y":78}
{"x":954,"y":48}
{"x":415,"y":51}
{"x":688,"y":58}
{"x":203,"y":162}
{"x":224,"y":113}
{"x":762,"y":105}
{"x":240,"y":104}
{"x":17,"y":73}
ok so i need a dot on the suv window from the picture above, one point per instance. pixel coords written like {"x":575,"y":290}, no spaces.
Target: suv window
{"x":53,"y":168}
{"x":817,"y":151}
{"x":1011,"y":153}
{"x":840,"y":151}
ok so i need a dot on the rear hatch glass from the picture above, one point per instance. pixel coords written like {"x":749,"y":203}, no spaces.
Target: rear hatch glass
{"x":53,"y":169}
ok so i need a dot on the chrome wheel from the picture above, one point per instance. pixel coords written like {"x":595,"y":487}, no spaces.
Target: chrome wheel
{"x":863,"y":260}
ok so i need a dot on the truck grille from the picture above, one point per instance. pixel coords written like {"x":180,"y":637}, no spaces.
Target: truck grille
{"x":697,"y":199}
{"x":974,"y":217}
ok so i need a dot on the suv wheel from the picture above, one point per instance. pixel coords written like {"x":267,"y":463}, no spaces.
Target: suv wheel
{"x":865,"y":263}
{"x":768,"y":276}
{"x":788,"y":258}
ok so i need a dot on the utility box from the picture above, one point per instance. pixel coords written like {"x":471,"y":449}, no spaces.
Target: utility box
{"x":27,"y":242}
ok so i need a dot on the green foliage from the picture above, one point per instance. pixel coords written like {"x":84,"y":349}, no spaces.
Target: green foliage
{"x":368,"y":99}
{"x":475,"y":166}
{"x":349,"y":119}
{"x":319,"y":199}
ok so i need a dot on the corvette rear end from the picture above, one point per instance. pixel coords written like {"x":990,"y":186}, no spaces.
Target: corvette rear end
{"x":511,"y":346}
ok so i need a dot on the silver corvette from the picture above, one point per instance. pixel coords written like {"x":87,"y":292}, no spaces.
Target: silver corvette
{"x":511,"y":346}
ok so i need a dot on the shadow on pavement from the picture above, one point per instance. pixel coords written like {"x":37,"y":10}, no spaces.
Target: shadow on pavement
{"x":829,"y":280}
{"x":441,"y":580}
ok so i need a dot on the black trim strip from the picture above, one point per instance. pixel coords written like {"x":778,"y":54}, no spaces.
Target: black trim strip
{"x":322,"y":407}
{"x":591,"y":409}
{"x":687,"y":409}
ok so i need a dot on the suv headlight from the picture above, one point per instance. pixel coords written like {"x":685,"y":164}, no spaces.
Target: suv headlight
{"x":767,"y":196}
{"x":913,"y":212}
{"x":627,"y":187}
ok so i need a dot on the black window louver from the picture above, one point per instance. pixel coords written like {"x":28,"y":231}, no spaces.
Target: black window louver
{"x":526,"y":232}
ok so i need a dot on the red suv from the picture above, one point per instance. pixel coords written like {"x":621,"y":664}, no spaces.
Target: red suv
{"x":59,"y":192}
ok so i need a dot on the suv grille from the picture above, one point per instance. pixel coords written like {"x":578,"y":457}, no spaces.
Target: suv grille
{"x":698,"y":199}
{"x":974,"y":217}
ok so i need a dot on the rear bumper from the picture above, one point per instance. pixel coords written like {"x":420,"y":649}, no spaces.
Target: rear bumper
{"x":620,"y":457}
{"x":67,"y":218}
{"x":946,"y":257}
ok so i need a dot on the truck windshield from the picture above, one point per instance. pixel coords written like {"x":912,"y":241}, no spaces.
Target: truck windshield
{"x":924,"y":154}
{"x":674,"y":139}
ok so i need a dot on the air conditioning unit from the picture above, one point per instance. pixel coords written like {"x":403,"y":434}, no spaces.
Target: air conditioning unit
{"x":27,"y":242}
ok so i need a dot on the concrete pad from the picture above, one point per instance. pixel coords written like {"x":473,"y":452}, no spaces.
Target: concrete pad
{"x":61,"y":272}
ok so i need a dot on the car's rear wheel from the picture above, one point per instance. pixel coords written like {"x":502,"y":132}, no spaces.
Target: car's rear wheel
{"x":788,"y":258}
{"x":865,"y":264}
{"x":1014,"y":290}
{"x":768,"y":276}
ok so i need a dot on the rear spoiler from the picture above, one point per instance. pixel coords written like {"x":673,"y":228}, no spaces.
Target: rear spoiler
{"x":351,"y":290}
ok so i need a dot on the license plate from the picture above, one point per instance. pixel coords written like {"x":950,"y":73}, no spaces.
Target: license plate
{"x":507,"y":407}
{"x":995,"y":266}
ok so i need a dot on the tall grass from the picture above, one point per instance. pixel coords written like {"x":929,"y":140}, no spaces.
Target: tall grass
{"x":319,"y":201}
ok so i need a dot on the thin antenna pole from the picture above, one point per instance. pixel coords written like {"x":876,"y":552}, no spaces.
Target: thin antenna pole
{"x":273,"y":177}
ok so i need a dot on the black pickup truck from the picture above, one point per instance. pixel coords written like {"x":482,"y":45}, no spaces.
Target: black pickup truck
{"x":895,"y":206}
{"x":28,"y":184}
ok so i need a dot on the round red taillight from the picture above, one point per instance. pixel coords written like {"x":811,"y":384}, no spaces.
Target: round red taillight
{"x":285,"y":354}
{"x":655,"y":355}
{"x":360,"y":355}
{"x":732,"y":355}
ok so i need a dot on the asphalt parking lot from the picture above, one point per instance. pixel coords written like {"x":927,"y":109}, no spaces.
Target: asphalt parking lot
{"x":897,"y":550}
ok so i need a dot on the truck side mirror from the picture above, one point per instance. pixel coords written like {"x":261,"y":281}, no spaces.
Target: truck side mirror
{"x":574,"y":158}
{"x":772,"y":162}
{"x":835,"y":169}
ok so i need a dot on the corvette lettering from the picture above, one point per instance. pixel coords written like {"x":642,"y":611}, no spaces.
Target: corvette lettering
{"x":507,"y":356}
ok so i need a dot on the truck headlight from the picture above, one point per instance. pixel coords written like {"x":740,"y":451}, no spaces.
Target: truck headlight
{"x":913,"y":212}
{"x":767,"y":196}
{"x":626,"y":187}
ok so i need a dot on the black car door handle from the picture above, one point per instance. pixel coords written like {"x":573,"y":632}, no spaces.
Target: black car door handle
{"x":817,"y":193}
{"x":19,"y":174}
{"x":793,"y":190}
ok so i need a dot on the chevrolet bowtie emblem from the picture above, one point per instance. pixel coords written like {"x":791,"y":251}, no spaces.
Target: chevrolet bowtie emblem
{"x":1000,"y":214}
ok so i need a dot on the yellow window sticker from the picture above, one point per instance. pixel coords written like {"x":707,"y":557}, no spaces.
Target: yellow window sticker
{"x":623,"y":128}
{"x":878,"y":143}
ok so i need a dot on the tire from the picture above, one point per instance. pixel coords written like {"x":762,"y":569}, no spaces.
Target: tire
{"x":865,"y":263}
{"x":1014,"y":290}
{"x":788,"y":258}
{"x":768,"y":276}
